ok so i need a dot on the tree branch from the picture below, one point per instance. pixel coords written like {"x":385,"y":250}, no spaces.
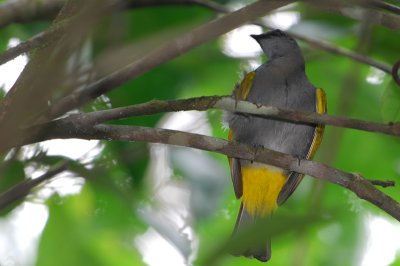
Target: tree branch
{"x":363,"y":188}
{"x":34,"y":42}
{"x":51,"y":6}
{"x":27,"y":10}
{"x":164,"y":53}
{"x":229,"y":104}
{"x":39,"y":132}
{"x":146,"y":3}
{"x":24,"y":11}
{"x":85,"y":127}
{"x":388,"y":20}
{"x":385,"y":6}
{"x":23,"y":189}
{"x":344,"y":52}
{"x":43,"y":37}
{"x":327,"y":46}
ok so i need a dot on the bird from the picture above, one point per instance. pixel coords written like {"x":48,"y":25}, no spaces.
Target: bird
{"x":281,"y":82}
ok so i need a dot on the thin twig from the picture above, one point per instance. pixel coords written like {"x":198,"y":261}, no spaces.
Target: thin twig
{"x":30,"y":44}
{"x":323,"y":45}
{"x":387,"y":183}
{"x":385,"y":6}
{"x":388,"y":20}
{"x":23,"y":189}
{"x":344,"y":52}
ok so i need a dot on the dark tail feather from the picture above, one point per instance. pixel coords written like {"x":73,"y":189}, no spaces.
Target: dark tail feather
{"x":262,"y":251}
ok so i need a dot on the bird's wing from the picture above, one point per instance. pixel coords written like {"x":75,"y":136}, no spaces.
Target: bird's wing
{"x":240,"y":93}
{"x":295,"y":178}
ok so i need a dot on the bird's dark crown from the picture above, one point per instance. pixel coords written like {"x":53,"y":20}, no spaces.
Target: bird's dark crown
{"x":270,"y":34}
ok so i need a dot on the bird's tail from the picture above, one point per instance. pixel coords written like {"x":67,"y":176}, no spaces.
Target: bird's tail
{"x":262,"y":249}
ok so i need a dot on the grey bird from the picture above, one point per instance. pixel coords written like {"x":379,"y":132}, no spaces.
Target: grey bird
{"x":280,"y":82}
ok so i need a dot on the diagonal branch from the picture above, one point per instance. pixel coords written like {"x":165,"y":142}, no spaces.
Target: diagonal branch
{"x":25,"y":11}
{"x":23,"y":189}
{"x":31,"y":44}
{"x":165,"y":52}
{"x":51,"y":6}
{"x":28,"y":11}
{"x":320,"y":44}
{"x":43,"y":37}
{"x":388,"y":20}
{"x":385,"y":6}
{"x":363,"y":188}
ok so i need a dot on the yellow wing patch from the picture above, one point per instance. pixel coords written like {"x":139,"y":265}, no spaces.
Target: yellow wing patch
{"x":241,"y":93}
{"x":243,"y":90}
{"x":321,"y":108}
{"x":261,"y":187}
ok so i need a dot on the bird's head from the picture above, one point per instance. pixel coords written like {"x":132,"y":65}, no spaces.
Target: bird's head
{"x":277,"y":43}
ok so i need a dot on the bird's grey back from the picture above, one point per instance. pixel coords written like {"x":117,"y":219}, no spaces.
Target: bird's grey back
{"x":282,"y":83}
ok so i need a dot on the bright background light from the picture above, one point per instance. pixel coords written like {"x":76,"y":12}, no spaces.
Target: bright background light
{"x":10,"y":71}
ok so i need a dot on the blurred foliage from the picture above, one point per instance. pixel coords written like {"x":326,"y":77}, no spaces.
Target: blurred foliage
{"x":99,"y":225}
{"x":390,"y":103}
{"x":87,"y":229}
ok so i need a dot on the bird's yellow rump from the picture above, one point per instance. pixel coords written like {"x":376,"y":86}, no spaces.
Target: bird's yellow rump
{"x":261,"y":187}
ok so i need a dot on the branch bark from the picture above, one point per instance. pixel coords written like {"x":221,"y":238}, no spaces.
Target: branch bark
{"x":227,"y":103}
{"x":31,"y":44}
{"x":388,"y":20}
{"x":50,"y":7}
{"x":23,"y":189}
{"x":25,"y":11}
{"x":363,"y":188}
{"x":344,"y":52}
{"x":42,"y":38}
{"x":385,"y":6}
{"x":39,"y":132}
{"x":164,"y":53}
